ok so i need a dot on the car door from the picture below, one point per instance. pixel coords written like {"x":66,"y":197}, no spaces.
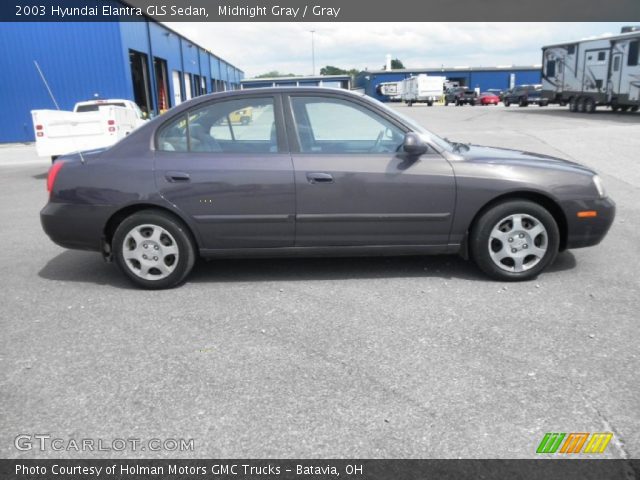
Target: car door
{"x":353,"y":186}
{"x":225,"y":164}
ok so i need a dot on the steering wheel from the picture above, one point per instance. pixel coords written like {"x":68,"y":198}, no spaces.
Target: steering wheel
{"x":378,"y":142}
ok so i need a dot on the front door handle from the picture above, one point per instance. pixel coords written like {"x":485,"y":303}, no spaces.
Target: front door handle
{"x":174,"y":177}
{"x":319,"y":178}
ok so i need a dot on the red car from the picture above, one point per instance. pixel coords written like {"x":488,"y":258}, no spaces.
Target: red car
{"x":488,"y":98}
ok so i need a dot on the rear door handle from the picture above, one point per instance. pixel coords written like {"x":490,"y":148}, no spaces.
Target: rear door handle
{"x":319,"y":178}
{"x":174,"y":177}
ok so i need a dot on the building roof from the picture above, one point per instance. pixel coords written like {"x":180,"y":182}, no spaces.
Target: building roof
{"x":309,"y":78}
{"x":500,"y":68}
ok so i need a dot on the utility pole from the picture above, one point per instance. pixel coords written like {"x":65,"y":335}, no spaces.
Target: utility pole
{"x":313,"y":53}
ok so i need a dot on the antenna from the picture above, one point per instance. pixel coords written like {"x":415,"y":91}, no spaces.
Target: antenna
{"x":46,"y":84}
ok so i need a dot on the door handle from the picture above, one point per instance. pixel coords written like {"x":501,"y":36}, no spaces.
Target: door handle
{"x":174,"y":177}
{"x":319,"y":178}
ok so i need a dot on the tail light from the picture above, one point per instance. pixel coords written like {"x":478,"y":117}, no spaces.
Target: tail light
{"x":39,"y":131}
{"x":111,"y":124}
{"x":53,"y":173}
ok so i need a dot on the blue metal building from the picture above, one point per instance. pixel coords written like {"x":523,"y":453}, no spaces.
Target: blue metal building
{"x":483,"y":78}
{"x":142,"y":61}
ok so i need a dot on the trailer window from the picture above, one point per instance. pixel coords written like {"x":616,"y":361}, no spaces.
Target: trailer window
{"x":571,"y":49}
{"x":602,"y":56}
{"x":551,"y":68}
{"x":632,"y":60}
{"x":616,"y":63}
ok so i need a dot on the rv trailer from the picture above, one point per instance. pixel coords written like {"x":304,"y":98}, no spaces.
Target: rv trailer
{"x":585,"y":74}
{"x":391,"y":90}
{"x":423,"y":89}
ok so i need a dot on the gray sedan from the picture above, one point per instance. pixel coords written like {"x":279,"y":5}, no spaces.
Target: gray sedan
{"x":313,"y":171}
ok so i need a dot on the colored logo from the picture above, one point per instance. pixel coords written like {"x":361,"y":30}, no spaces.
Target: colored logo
{"x":574,"y":442}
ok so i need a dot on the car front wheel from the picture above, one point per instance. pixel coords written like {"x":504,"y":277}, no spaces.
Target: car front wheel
{"x":153,"y":249}
{"x":514,"y":240}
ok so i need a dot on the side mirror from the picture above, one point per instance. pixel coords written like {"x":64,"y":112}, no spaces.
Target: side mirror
{"x":414,"y":145}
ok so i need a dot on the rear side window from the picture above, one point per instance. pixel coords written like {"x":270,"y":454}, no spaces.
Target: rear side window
{"x":233,"y":126}
{"x":95,"y":106}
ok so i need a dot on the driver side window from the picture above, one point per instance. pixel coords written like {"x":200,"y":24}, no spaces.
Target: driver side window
{"x":327,"y":125}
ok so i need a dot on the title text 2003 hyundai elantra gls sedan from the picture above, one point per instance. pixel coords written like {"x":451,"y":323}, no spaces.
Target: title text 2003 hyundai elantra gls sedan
{"x":315,"y":171}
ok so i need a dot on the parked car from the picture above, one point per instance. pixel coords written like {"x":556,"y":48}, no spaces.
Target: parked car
{"x":317,"y":172}
{"x":523,"y":95}
{"x":488,"y":98}
{"x":460,"y":96}
{"x":92,"y":124}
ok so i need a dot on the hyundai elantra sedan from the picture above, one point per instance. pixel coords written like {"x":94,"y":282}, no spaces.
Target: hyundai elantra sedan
{"x":310,"y":172}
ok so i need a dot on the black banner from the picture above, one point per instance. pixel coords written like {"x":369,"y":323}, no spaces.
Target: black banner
{"x":541,"y":469}
{"x":320,"y":10}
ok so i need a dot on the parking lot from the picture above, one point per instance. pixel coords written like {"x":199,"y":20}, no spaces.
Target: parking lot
{"x":411,"y":357}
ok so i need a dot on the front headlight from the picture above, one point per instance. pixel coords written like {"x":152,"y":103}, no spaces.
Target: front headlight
{"x":599,"y":187}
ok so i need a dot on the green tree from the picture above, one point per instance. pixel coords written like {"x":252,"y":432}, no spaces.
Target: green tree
{"x":396,"y":64}
{"x":331,"y":70}
{"x":274,"y":74}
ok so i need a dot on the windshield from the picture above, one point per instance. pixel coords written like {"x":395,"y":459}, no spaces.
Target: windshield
{"x":416,"y":127}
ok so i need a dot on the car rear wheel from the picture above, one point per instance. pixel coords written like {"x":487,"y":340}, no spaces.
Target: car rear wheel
{"x":514,"y":240}
{"x":506,"y":102}
{"x":153,"y":249}
{"x":522,"y":102}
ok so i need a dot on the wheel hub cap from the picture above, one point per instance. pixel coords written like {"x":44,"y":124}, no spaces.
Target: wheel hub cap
{"x":150,"y":252}
{"x":518,"y":242}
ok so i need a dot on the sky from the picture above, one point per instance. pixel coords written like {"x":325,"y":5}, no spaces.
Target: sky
{"x":258,"y":48}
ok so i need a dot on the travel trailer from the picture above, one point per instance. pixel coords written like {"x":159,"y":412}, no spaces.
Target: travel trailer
{"x":423,"y":89}
{"x":602,"y":71}
{"x":391,"y":90}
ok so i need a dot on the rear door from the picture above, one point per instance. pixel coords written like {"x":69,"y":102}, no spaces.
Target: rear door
{"x":226,"y":165}
{"x":354,"y":187}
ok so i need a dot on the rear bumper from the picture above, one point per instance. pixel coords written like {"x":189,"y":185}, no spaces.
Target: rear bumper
{"x":75,"y":226}
{"x":589,"y":231}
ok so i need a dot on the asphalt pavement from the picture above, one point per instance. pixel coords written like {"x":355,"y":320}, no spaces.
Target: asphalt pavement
{"x":410,"y":357}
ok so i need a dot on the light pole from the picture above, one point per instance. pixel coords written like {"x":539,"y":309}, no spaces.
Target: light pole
{"x":313,"y":53}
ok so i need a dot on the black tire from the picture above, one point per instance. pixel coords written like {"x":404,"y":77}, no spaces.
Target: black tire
{"x":522,"y":102}
{"x":177,"y":231}
{"x":634,"y":108}
{"x":624,"y":108}
{"x":573,"y":105}
{"x":446,"y":102}
{"x":480,"y":235}
{"x":506,"y":102}
{"x":580,"y":105}
{"x":409,"y":104}
{"x":430,"y":104}
{"x":589,"y":105}
{"x":615,"y":108}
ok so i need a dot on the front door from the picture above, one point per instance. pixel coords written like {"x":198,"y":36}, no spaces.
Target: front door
{"x":353,"y":187}
{"x":226,"y":166}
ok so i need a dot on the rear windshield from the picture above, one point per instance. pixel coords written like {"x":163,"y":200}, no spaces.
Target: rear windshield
{"x":93,"y":107}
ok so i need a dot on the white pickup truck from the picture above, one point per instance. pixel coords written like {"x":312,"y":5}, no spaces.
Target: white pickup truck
{"x":93,"y":124}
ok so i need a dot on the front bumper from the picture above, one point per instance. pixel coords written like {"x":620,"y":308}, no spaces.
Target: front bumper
{"x":588,"y":231}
